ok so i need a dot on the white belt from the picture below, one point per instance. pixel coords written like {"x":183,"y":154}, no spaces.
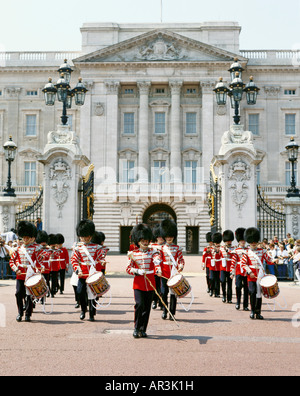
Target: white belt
{"x":149,"y":272}
{"x":167,"y":263}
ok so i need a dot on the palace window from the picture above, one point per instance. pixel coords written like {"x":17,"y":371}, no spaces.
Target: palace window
{"x":128,"y":123}
{"x":159,"y":172}
{"x":30,"y":173}
{"x":290,"y":124}
{"x":160,"y":123}
{"x":31,"y":125}
{"x":254,"y":124}
{"x":190,"y":172}
{"x":127,"y":171}
{"x":191,"y":123}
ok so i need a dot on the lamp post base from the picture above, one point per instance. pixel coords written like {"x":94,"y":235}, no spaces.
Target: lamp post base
{"x":9,"y":192}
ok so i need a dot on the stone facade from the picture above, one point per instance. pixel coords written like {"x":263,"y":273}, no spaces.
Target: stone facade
{"x":150,"y":123}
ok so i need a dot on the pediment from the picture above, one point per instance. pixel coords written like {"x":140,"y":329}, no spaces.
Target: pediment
{"x":159,"y":46}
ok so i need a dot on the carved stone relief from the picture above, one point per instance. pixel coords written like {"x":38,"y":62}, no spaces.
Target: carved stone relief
{"x":239,"y":173}
{"x":59,"y":174}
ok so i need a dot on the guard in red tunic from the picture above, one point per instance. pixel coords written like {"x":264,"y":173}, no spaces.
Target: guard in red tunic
{"x":238,"y":272}
{"x":157,"y":245}
{"x":63,"y":260}
{"x":172,"y":263}
{"x":228,"y":253}
{"x":252,"y":263}
{"x":206,"y":259}
{"x":99,"y":238}
{"x":215,"y":264}
{"x":143,"y":264}
{"x":24,"y":262}
{"x":42,"y":240}
{"x":86,"y":257}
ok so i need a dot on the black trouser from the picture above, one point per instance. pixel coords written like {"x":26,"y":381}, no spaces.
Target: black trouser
{"x":164,"y":295}
{"x":157,"y":286}
{"x":215,"y":282}
{"x":241,"y":282}
{"x":20,"y":296}
{"x":62,"y":275}
{"x":208,"y":280}
{"x":254,"y":301}
{"x":142,"y":309}
{"x":54,"y":282}
{"x":226,"y":281}
{"x":83,"y":299}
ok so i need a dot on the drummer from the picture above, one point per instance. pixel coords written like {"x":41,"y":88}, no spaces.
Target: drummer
{"x":172,"y":263}
{"x":24,"y":262}
{"x":86,"y":258}
{"x":252,"y":262}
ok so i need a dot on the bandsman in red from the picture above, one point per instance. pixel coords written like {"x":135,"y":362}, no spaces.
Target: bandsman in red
{"x":24,"y":262}
{"x":206,"y":259}
{"x":99,"y":238}
{"x":215,"y":264}
{"x":238,"y":272}
{"x":157,"y":244}
{"x":63,"y":261}
{"x":86,"y":257}
{"x":172,"y":263}
{"x":144,"y":262}
{"x":252,"y":263}
{"x":42,"y":240}
{"x":228,"y":253}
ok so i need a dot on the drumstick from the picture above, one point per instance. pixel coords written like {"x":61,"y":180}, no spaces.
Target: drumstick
{"x":156,"y":292}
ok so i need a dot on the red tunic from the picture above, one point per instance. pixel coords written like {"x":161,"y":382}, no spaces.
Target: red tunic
{"x":167,"y":262}
{"x":63,"y":258}
{"x":236,"y":268}
{"x":44,"y":259}
{"x":148,"y":260}
{"x":207,"y":256}
{"x":250,"y":263}
{"x":80,"y":259}
{"x":228,"y":254}
{"x":19,"y":261}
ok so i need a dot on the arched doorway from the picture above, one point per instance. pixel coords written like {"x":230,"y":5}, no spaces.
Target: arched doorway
{"x":158,"y":212}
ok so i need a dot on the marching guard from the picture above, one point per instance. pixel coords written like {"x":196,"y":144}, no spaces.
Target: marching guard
{"x":143,"y":264}
{"x":206,"y":259}
{"x":157,"y":245}
{"x":228,"y":253}
{"x":63,"y":260}
{"x":215,"y":264}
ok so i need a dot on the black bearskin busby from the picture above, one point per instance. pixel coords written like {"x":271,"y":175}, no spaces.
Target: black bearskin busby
{"x":26,"y":229}
{"x":52,"y":240}
{"x":141,"y":231}
{"x":228,"y":236}
{"x":98,"y":238}
{"x":168,"y":228}
{"x":157,"y":232}
{"x":60,"y":239}
{"x":217,"y":237}
{"x":42,"y":237}
{"x":252,"y":235}
{"x":239,"y":234}
{"x":85,"y":228}
{"x":209,"y":237}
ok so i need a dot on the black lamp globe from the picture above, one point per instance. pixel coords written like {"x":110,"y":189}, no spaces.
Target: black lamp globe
{"x":237,"y":87}
{"x":66,"y":70}
{"x":50,"y":93}
{"x":62,"y":89}
{"x":221,"y":92}
{"x":293,"y":150}
{"x":251,"y":92}
{"x":236,"y":67}
{"x":79,"y":92}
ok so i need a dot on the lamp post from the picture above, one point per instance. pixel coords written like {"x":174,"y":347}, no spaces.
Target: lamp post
{"x":10,"y":149}
{"x":64,"y":92}
{"x":236,"y":90}
{"x":293,"y":150}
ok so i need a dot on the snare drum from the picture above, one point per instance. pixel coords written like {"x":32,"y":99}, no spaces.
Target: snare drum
{"x":37,"y":286}
{"x":179,"y":285}
{"x":269,"y":286}
{"x":98,"y":284}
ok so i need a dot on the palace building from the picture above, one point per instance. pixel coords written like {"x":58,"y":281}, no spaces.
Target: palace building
{"x":150,"y":124}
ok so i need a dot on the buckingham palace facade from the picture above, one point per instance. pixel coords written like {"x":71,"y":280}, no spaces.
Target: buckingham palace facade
{"x":150,"y":124}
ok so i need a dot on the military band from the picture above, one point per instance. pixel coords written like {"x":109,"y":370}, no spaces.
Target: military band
{"x":154,"y":261}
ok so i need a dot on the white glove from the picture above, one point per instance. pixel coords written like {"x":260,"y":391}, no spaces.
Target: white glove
{"x":139,"y":271}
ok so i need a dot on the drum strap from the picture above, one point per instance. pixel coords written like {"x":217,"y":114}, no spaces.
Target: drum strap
{"x":261,"y":273}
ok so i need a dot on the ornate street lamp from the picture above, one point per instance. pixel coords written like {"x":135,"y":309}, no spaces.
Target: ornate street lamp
{"x":293,"y":150}
{"x":64,"y":92}
{"x":236,"y":90}
{"x":10,"y":149}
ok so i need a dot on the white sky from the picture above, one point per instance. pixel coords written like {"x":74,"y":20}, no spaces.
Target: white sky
{"x":54,"y":25}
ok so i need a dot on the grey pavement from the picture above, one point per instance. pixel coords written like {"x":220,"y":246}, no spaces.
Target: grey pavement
{"x":212,"y":339}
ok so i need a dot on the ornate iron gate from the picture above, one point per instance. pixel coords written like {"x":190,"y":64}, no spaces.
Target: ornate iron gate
{"x":214,"y":202}
{"x":271,"y":220}
{"x":32,"y":211}
{"x":88,"y":194}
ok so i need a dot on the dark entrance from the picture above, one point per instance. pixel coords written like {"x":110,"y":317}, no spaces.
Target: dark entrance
{"x":158,"y":212}
{"x":192,"y":240}
{"x":125,"y":239}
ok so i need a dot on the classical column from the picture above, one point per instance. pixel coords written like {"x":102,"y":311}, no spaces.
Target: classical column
{"x":175,"y":135}
{"x":143,"y":134}
{"x":111,"y":160}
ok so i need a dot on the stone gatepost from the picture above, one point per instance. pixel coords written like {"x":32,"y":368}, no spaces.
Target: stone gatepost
{"x":292,"y":211}
{"x":7,"y":213}
{"x":237,"y":161}
{"x":63,"y":163}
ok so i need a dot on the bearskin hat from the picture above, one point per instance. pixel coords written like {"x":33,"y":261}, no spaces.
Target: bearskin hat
{"x":228,"y":236}
{"x":141,"y":231}
{"x":217,"y":237}
{"x":157,"y":231}
{"x":42,"y":236}
{"x":98,"y":237}
{"x":60,"y":239}
{"x":168,"y":228}
{"x":52,"y":240}
{"x":85,"y":228}
{"x":252,"y":235}
{"x":25,"y":228}
{"x":239,"y":234}
{"x":209,"y":237}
